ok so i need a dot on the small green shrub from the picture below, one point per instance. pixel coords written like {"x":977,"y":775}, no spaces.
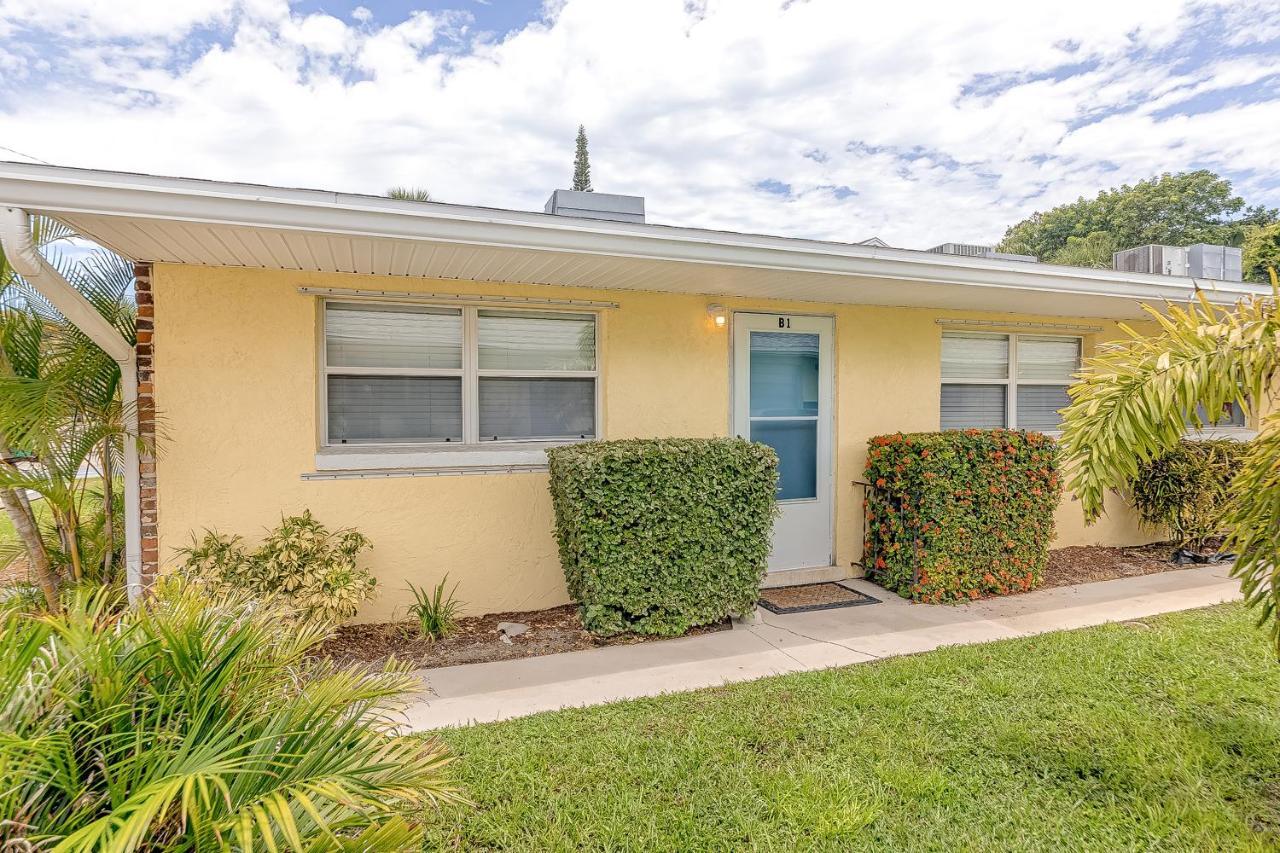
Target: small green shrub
{"x":954,"y":515}
{"x":301,"y":562}
{"x":1188,"y":488}
{"x":435,"y":612}
{"x":659,"y":535}
{"x":198,"y":722}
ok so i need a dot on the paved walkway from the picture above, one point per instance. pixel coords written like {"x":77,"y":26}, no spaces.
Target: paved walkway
{"x":798,"y":642}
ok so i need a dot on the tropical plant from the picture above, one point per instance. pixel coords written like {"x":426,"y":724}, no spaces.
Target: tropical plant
{"x":1131,"y":403}
{"x":61,"y":416}
{"x":1187,"y":489}
{"x":191,"y":723}
{"x":435,"y":612}
{"x":1095,"y":250}
{"x":301,"y":562}
{"x":409,"y":194}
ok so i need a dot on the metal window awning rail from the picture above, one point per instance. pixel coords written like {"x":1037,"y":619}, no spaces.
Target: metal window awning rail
{"x":455,"y":298}
{"x":1017,"y":324}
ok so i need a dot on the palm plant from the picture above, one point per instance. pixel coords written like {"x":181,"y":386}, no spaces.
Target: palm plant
{"x":60,"y":408}
{"x":189,"y":724}
{"x":1129,"y":407}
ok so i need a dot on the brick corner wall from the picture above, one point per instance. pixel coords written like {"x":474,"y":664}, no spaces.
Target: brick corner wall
{"x":147,"y":423}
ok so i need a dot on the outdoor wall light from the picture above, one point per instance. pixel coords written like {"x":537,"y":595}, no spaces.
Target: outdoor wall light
{"x":719,"y":315}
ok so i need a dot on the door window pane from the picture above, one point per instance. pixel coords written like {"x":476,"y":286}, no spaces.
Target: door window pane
{"x":1038,"y":406}
{"x":403,"y":336}
{"x":970,"y":356}
{"x":365,"y":409}
{"x":973,"y":406}
{"x":796,"y":443}
{"x":523,"y":340}
{"x":784,"y":374}
{"x":1054,"y":359}
{"x":513,"y":408}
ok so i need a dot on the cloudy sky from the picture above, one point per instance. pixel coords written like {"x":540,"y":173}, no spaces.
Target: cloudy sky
{"x":919,"y":123}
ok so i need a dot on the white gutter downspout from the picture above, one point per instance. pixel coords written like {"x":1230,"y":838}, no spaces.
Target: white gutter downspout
{"x":26,"y":260}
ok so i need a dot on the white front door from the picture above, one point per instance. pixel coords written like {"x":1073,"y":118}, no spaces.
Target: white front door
{"x":782,"y":385}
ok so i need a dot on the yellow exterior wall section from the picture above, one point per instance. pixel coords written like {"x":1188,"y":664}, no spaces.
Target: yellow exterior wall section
{"x":236,"y":393}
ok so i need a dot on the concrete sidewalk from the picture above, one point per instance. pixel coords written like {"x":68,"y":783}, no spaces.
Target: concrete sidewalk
{"x":799,"y":642}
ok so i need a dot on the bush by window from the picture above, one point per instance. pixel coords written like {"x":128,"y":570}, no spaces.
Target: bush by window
{"x":659,"y":535}
{"x":955,"y":515}
{"x":1187,"y":489}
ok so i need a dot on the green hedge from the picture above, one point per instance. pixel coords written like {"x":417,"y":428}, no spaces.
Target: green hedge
{"x":659,"y":535}
{"x":955,"y":515}
{"x":1187,"y":489}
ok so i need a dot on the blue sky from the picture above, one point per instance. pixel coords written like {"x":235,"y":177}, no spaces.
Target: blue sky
{"x":817,"y":118}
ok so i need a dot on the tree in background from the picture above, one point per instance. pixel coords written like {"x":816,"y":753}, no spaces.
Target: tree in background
{"x":409,"y":194}
{"x":1094,"y":251}
{"x":1129,"y":407}
{"x":581,"y":163}
{"x":1173,"y":209}
{"x":1261,"y":251}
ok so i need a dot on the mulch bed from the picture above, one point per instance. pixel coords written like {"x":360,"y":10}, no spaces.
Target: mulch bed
{"x":477,"y":639}
{"x":1088,"y":563}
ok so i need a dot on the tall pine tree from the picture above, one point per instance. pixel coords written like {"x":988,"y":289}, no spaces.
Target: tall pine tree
{"x":581,"y":163}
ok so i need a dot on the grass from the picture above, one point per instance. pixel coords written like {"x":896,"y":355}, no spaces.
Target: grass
{"x":1163,"y":735}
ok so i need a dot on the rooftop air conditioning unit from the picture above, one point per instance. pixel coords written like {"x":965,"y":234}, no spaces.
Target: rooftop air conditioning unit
{"x":1154,"y":259}
{"x":585,"y":205}
{"x":973,"y":250}
{"x":1220,"y":263}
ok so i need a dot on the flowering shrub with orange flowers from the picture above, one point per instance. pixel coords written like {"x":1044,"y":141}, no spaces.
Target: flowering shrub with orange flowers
{"x":956,"y":515}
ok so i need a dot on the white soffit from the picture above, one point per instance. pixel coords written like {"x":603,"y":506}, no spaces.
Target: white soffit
{"x":184,"y":221}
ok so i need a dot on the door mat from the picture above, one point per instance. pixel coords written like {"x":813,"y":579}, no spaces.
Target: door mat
{"x":812,"y":596}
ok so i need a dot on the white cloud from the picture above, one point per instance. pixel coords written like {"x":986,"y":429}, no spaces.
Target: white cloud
{"x":931,"y":125}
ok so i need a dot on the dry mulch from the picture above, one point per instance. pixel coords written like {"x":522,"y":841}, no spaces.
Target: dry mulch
{"x":1089,"y":563}
{"x":477,"y":639}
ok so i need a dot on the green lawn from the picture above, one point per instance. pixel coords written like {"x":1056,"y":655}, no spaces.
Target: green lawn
{"x":1156,"y":735}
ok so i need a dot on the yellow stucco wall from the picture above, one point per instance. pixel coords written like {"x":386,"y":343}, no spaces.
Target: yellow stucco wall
{"x":236,"y":393}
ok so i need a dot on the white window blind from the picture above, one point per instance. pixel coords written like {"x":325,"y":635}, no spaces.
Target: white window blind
{"x":994,"y":380}
{"x":408,"y":374}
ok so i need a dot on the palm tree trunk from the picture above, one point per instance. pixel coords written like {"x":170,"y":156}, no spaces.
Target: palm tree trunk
{"x":37,"y":557}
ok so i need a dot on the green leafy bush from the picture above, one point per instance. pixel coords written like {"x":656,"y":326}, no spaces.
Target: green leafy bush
{"x":1187,"y":489}
{"x":659,"y":535}
{"x":954,"y":515}
{"x":301,"y":562}
{"x":192,"y":722}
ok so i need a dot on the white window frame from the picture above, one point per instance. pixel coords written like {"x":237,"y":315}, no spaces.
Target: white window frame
{"x":471,"y":451}
{"x":1010,"y":381}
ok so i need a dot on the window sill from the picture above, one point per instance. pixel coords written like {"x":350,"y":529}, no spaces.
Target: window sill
{"x":521,"y":455}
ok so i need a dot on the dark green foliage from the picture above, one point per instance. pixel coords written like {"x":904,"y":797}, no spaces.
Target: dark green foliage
{"x":659,"y":535}
{"x":1187,"y":489}
{"x":581,"y":163}
{"x":1189,"y":207}
{"x":1261,"y":252}
{"x":955,"y":515}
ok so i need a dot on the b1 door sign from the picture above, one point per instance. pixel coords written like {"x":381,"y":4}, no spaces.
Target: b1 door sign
{"x":784,"y":322}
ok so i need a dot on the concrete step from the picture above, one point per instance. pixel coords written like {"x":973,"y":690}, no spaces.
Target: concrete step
{"x":795,"y":577}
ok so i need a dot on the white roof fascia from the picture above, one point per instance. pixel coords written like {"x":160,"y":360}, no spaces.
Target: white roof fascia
{"x":54,"y":190}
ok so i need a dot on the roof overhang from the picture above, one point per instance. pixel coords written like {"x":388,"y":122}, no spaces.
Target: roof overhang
{"x":186,"y":221}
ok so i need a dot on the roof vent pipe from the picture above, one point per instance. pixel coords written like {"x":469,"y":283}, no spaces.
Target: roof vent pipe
{"x":20,"y":249}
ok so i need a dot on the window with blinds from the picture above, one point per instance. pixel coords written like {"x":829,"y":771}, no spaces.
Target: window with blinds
{"x":408,"y":374}
{"x":1016,"y":381}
